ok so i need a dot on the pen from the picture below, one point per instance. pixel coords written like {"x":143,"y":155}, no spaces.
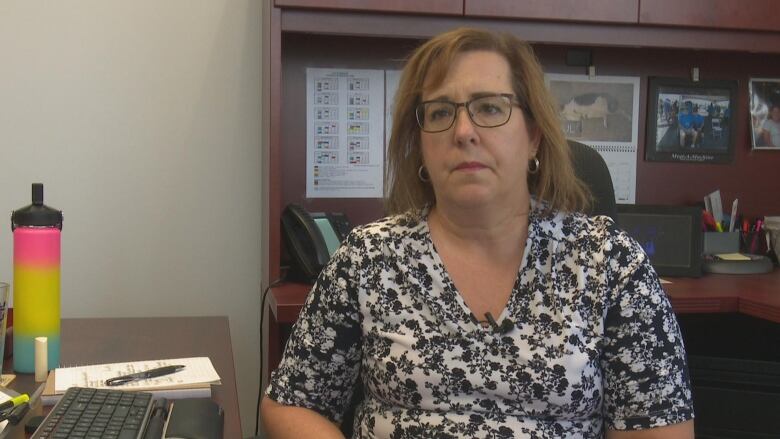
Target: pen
{"x":13,"y":402}
{"x":151,"y":373}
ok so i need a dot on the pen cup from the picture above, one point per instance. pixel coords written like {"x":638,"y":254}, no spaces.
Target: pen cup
{"x":4,"y":291}
{"x":753,"y":242}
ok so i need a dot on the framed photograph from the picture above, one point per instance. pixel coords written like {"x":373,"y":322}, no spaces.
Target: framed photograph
{"x":603,"y":113}
{"x":765,"y":113}
{"x":670,"y":235}
{"x":690,"y":121}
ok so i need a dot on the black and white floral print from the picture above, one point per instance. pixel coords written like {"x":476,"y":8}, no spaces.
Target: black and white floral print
{"x":594,"y":344}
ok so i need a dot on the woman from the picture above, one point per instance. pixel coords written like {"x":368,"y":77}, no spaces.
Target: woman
{"x":484,"y":307}
{"x":770,"y":130}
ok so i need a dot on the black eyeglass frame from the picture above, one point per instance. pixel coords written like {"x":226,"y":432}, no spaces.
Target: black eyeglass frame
{"x":509,"y":96}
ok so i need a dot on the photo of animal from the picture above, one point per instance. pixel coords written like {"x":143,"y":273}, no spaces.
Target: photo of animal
{"x":590,"y":106}
{"x":598,"y":110}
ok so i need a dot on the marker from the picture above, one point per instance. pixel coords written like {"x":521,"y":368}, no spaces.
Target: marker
{"x":13,"y":402}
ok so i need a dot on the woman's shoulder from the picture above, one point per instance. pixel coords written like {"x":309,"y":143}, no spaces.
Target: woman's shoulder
{"x":394,"y":226}
{"x":599,"y":232}
{"x":571,"y":226}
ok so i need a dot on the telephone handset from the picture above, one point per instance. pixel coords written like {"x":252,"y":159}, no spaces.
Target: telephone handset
{"x":310,"y":239}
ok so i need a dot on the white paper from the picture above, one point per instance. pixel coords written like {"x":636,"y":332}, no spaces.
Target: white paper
{"x":717,"y":205}
{"x":3,"y":398}
{"x":345,"y":112}
{"x":197,"y":370}
{"x":603,"y":113}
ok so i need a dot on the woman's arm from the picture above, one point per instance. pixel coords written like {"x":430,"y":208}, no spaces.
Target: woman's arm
{"x":766,"y":137}
{"x":282,"y":421}
{"x":683,"y":430}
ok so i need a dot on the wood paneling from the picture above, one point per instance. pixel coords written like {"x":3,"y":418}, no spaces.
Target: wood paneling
{"x":723,"y":14}
{"x":686,"y":183}
{"x":304,"y":36}
{"x":614,"y":11}
{"x":365,"y":24}
{"x":445,"y":7}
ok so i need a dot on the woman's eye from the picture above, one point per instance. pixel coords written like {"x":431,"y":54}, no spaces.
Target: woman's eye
{"x":439,"y":113}
{"x":489,"y":109}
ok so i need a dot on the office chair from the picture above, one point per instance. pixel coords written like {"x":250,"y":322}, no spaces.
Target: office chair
{"x":591,"y":168}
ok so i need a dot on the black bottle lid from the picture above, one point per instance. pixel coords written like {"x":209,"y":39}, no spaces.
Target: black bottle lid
{"x":36,"y":214}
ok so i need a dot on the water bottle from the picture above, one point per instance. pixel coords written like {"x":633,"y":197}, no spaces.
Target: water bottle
{"x":37,"y":230}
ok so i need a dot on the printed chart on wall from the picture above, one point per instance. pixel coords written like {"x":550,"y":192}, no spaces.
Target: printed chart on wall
{"x":345,"y":112}
{"x":603,"y":113}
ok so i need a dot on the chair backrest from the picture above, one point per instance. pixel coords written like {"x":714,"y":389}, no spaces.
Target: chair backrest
{"x":591,"y":168}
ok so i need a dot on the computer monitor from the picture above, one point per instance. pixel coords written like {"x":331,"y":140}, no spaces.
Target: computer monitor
{"x":670,"y":235}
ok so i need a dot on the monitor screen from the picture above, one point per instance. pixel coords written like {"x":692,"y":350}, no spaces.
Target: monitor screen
{"x":671,"y":236}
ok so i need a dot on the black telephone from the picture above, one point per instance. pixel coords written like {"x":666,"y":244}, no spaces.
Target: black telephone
{"x":311,"y":239}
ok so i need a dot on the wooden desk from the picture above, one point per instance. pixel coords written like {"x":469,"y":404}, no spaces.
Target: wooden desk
{"x":754,"y":295}
{"x":110,"y":340}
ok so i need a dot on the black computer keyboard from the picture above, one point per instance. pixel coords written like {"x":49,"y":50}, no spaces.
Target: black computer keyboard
{"x":97,"y":413}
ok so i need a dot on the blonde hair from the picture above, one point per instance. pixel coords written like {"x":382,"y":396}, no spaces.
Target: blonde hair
{"x":555,"y":182}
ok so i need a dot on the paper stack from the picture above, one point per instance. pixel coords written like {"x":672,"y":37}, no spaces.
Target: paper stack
{"x":194,"y":381}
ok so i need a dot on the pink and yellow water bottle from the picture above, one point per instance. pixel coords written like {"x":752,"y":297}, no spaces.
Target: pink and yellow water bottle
{"x":37,"y":230}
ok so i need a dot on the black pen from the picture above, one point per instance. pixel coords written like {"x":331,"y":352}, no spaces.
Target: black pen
{"x":151,"y":373}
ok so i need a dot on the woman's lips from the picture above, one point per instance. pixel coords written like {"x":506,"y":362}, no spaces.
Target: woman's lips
{"x":470,"y":166}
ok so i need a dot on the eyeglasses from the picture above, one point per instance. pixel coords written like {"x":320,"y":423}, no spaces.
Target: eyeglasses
{"x":485,"y":111}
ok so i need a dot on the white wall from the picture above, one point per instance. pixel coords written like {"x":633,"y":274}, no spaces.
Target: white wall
{"x":142,"y":118}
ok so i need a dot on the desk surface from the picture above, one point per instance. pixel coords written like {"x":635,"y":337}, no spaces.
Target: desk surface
{"x":110,"y":340}
{"x":755,"y":295}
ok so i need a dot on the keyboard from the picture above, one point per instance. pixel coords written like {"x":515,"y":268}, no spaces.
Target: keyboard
{"x":97,"y":413}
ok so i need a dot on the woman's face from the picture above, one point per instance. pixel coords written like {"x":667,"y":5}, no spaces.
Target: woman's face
{"x":471,"y":166}
{"x":775,"y":114}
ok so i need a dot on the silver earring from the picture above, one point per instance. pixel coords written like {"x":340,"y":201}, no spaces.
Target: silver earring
{"x":422,"y":173}
{"x":533,"y":166}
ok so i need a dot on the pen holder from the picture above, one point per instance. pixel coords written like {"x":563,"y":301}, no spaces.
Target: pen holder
{"x":717,"y":242}
{"x":753,"y":242}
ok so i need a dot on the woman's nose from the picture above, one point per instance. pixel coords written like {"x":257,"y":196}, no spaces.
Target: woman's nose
{"x":464,"y":126}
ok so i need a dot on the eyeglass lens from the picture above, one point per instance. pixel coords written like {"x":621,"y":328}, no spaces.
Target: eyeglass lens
{"x":486,"y":112}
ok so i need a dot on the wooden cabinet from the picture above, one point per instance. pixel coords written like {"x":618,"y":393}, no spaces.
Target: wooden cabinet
{"x":441,"y":7}
{"x":663,"y":37}
{"x":760,"y":15}
{"x":608,"y":11}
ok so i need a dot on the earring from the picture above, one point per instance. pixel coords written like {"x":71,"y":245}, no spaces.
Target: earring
{"x":422,"y":173}
{"x":535,"y":168}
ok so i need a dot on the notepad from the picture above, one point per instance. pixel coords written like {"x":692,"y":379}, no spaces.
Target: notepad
{"x":195,"y":380}
{"x":732,"y":257}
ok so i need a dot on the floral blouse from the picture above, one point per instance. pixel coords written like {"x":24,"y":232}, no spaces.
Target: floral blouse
{"x":593,"y":342}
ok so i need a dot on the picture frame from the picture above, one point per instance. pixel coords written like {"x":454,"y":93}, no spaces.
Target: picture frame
{"x":690,"y":121}
{"x":602,"y":112}
{"x":765,"y":113}
{"x":670,"y":235}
